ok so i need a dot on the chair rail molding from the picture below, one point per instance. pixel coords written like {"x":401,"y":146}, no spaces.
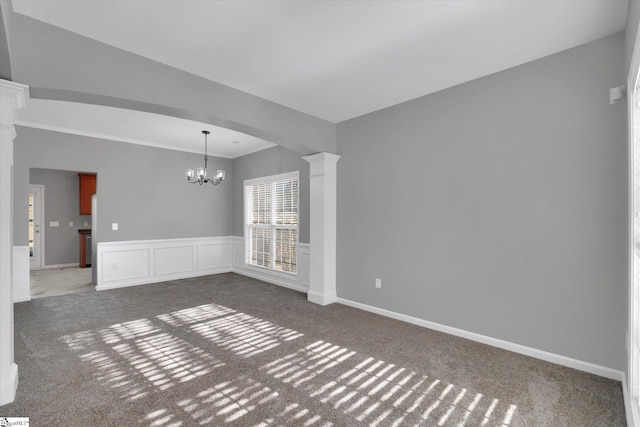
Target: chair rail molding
{"x":13,"y":96}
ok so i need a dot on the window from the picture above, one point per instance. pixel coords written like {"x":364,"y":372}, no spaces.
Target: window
{"x":271,"y":222}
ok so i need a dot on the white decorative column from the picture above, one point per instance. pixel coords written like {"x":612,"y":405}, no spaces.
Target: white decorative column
{"x":12,"y":97}
{"x":322,"y":263}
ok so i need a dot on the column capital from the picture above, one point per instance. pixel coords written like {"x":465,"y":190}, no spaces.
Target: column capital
{"x":322,"y":164}
{"x":13,"y":97}
{"x":322,"y":157}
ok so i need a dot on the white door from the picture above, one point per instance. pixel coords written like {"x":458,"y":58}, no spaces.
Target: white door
{"x":36,"y":226}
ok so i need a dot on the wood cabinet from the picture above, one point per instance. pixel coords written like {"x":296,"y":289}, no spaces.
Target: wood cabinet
{"x":85,"y":248}
{"x":87,"y":189}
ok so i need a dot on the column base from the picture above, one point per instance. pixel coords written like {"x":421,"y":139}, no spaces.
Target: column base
{"x":321,"y":299}
{"x":9,"y":385}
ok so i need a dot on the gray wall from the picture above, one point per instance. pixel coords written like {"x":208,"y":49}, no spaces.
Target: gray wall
{"x":44,"y":56}
{"x":264,"y":163}
{"x":61,"y":195}
{"x":633,"y":19}
{"x":5,"y":23}
{"x":141,"y":188}
{"x":498,"y":206}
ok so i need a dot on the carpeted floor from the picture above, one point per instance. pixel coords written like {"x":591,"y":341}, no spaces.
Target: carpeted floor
{"x":229,"y":350}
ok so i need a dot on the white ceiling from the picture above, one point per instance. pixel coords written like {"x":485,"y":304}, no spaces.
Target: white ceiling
{"x":337,"y":59}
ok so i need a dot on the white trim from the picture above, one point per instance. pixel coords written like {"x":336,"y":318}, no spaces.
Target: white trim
{"x":21,"y":285}
{"x":630,"y":411}
{"x":12,"y":97}
{"x":137,"y":262}
{"x":39,"y":218}
{"x":271,"y":178}
{"x":322,"y":229}
{"x":494,"y":342}
{"x":9,"y":385}
{"x":17,"y":96}
{"x":269,"y":277}
{"x":131,"y":263}
{"x":51,"y":266}
{"x":298,"y":282}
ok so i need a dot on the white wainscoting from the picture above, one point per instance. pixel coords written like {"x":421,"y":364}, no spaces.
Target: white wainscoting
{"x":299,"y":282}
{"x":21,"y":290}
{"x":130,"y":263}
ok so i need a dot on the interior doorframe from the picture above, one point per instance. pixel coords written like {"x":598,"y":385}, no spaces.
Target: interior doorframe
{"x":40,"y":218}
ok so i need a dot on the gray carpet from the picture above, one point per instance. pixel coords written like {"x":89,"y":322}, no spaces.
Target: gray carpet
{"x":229,"y":350}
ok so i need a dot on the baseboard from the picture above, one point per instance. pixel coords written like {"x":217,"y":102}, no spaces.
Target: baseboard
{"x":632,"y":409}
{"x":9,"y":385}
{"x":299,"y":282}
{"x":505,"y":345}
{"x":320,"y":299}
{"x":269,"y":278}
{"x":158,"y":279}
{"x":73,"y":264}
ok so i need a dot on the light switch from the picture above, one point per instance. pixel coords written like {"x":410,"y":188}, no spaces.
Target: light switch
{"x":70,"y":223}
{"x":54,"y":224}
{"x":114,"y":226}
{"x":85,"y":224}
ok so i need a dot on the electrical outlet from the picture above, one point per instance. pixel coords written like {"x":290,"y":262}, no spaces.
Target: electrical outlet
{"x":114,"y":265}
{"x":54,"y":224}
{"x":70,"y":223}
{"x":378,"y":283}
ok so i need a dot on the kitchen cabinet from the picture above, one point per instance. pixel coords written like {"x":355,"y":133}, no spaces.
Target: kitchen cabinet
{"x":87,"y":189}
{"x":85,"y":248}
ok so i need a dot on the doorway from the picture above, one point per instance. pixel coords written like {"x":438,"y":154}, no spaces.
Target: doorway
{"x":36,"y":226}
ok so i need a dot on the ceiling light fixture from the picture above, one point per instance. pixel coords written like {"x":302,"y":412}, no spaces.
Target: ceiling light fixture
{"x":201,"y":176}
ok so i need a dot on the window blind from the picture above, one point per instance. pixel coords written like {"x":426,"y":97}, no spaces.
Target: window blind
{"x":272,"y":222}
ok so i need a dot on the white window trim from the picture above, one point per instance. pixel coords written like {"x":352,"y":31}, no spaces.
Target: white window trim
{"x":247,"y":244}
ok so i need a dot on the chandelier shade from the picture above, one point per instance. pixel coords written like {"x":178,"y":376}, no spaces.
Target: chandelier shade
{"x":199,"y":176}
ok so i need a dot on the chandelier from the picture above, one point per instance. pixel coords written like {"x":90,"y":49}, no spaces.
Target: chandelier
{"x":199,"y":176}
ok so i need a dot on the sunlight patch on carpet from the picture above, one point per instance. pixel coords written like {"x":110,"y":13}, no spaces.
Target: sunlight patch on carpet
{"x":140,"y":358}
{"x":379,"y":393}
{"x":243,"y":334}
{"x":185,"y":348}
